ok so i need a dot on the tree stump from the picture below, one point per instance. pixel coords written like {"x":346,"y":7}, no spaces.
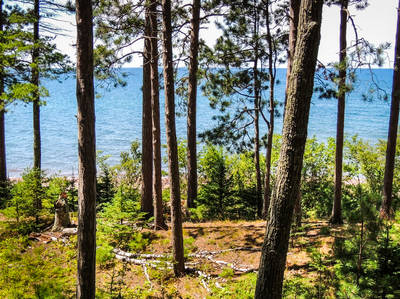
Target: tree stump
{"x":61,"y":219}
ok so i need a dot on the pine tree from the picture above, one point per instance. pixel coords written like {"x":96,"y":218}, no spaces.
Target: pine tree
{"x":192,"y":102}
{"x":147,"y":139}
{"x":159,"y":222}
{"x":87,"y":152}
{"x":336,"y":217}
{"x":386,"y":209}
{"x":273,"y":258}
{"x":242,"y":53}
{"x":15,"y":84}
{"x":176,"y":213}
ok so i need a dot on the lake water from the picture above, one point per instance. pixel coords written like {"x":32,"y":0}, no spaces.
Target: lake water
{"x":118,"y":120}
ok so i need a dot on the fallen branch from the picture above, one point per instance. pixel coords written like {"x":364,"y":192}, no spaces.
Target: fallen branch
{"x":205,"y":285}
{"x":152,"y":263}
{"x":143,"y":259}
{"x":199,"y":254}
{"x":242,"y":268}
{"x":147,"y":276}
{"x":140,"y":256}
{"x":205,"y":253}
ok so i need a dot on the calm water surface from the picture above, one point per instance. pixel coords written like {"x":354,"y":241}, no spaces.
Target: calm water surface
{"x":118,"y":120}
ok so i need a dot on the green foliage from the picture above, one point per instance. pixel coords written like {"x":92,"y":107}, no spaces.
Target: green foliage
{"x":5,"y":193}
{"x":117,"y":25}
{"x":104,"y":184}
{"x":317,"y":177}
{"x":236,"y":71}
{"x":182,"y":165}
{"x":129,"y":169}
{"x":215,"y":191}
{"x":319,"y":264}
{"x":104,"y":252}
{"x":368,"y":265}
{"x":298,"y":287}
{"x":28,"y":196}
{"x":227,"y":273}
{"x":32,"y":272}
{"x":244,"y":191}
{"x":242,"y":288}
{"x":58,"y":185}
{"x":189,"y":246}
{"x":387,"y":271}
{"x":228,"y":186}
{"x":199,"y":213}
{"x":18,"y":43}
{"x":117,"y":225}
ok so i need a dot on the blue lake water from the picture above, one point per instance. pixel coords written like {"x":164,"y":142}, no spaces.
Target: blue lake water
{"x":118,"y":120}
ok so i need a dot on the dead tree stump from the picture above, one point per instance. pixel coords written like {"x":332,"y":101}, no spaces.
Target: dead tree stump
{"x":61,"y":219}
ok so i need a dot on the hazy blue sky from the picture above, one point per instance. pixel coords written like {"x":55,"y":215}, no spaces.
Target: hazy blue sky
{"x":377,"y":24}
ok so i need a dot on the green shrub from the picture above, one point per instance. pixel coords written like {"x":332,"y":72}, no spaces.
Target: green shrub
{"x":242,"y":288}
{"x":32,"y":272}
{"x":29,"y":197}
{"x":317,"y":177}
{"x":215,"y":191}
{"x":227,"y":187}
{"x":227,"y":272}
{"x":129,"y":169}
{"x":105,"y":188}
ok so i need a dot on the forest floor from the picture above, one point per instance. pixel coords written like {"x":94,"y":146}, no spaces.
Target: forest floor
{"x":222,"y":259}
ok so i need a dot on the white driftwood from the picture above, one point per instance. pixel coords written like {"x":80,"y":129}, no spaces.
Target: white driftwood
{"x":139,"y":256}
{"x":200,"y":254}
{"x":144,"y":259}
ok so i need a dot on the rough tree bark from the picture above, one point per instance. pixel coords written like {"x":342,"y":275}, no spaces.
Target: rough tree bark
{"x":172,"y":148}
{"x":37,"y":156}
{"x":386,"y":209}
{"x":36,"y":108}
{"x":146,"y":202}
{"x":191,"y":106}
{"x":336,"y":217}
{"x":155,"y":107}
{"x":61,"y":217}
{"x":3,"y":163}
{"x":267,"y":179}
{"x":293,"y":25}
{"x":86,"y":152}
{"x":273,"y":258}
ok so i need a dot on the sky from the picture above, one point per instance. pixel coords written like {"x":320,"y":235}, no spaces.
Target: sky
{"x":377,"y":24}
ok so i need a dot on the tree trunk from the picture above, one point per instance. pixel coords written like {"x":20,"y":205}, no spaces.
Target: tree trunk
{"x":146,"y":203}
{"x":36,"y":109}
{"x":86,"y":151}
{"x":256,"y":88}
{"x":386,"y":209}
{"x":293,"y":25}
{"x":267,"y":180}
{"x":267,"y":183}
{"x":257,"y":153}
{"x":191,"y":106}
{"x":336,"y":217}
{"x":156,"y":135}
{"x":172,"y":148}
{"x":275,"y":247}
{"x":36,"y":98}
{"x":3,"y":163}
{"x":61,"y":217}
{"x":298,"y":211}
